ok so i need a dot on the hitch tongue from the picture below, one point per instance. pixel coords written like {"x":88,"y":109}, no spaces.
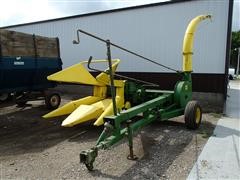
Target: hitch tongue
{"x":88,"y":157}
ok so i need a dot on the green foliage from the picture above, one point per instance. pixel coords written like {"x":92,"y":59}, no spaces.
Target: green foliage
{"x":234,"y":46}
{"x":235,"y":39}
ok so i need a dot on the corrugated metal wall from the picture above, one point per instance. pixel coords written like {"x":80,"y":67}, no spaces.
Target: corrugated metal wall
{"x":156,"y":32}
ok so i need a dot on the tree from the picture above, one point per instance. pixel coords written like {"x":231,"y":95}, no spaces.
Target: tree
{"x":234,"y":48}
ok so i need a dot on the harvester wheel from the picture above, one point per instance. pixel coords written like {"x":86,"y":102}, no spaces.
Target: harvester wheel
{"x":89,"y":166}
{"x":52,"y":100}
{"x":193,"y":115}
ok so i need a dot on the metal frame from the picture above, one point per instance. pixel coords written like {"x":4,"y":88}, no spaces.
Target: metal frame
{"x":152,"y":104}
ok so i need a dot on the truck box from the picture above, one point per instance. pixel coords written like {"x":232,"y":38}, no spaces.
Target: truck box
{"x":26,"y":60}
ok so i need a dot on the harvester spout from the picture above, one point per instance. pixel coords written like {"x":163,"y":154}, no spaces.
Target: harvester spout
{"x":188,"y":41}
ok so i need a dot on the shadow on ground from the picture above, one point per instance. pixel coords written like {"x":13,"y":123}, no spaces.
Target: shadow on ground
{"x":24,"y":131}
{"x":163,"y":143}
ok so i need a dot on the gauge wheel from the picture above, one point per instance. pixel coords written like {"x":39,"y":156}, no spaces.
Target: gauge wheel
{"x":193,"y":115}
{"x":52,"y":101}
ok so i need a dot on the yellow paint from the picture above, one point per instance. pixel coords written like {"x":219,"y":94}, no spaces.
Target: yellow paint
{"x":119,"y":83}
{"x":86,"y":113}
{"x":104,"y":77}
{"x":127,"y":105}
{"x":108,"y":111}
{"x":120,"y":94}
{"x":74,"y":74}
{"x":79,"y":74}
{"x":119,"y":103}
{"x":82,"y":114}
{"x":188,"y":42}
{"x":96,"y":110}
{"x":71,"y":106}
{"x":92,"y":107}
{"x":100,"y":91}
{"x":198,"y":115}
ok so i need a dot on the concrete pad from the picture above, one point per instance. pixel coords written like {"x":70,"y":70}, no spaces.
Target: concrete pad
{"x":234,"y":84}
{"x":220,"y":158}
{"x":232,"y":106}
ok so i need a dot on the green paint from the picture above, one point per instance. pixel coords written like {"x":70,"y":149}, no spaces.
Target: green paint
{"x":149,"y":105}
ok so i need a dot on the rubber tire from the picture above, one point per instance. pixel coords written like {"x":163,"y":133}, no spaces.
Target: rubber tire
{"x":4,"y":97}
{"x":49,"y":101}
{"x":21,"y":103}
{"x":190,"y":115}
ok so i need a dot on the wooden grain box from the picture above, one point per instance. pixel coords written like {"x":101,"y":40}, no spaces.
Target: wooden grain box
{"x":14,"y":43}
{"x":46,"y":47}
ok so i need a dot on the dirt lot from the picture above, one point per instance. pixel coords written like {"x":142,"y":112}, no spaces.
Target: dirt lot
{"x":34,"y":148}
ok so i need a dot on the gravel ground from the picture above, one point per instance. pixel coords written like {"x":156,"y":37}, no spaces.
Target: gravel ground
{"x":34,"y":148}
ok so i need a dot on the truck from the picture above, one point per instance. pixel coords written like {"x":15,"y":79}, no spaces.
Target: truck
{"x":25,"y":62}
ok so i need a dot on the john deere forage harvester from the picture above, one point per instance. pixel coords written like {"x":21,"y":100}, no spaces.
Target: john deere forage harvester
{"x":131,"y":104}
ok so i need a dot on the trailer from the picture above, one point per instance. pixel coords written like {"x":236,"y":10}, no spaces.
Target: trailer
{"x":25,"y":62}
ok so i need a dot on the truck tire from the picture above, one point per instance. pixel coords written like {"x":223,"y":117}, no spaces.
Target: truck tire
{"x":4,"y":97}
{"x":193,"y":115}
{"x":52,"y":100}
{"x":21,"y":98}
{"x":21,"y":103}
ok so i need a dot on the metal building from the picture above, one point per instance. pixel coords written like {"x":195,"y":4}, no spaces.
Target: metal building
{"x":155,"y":31}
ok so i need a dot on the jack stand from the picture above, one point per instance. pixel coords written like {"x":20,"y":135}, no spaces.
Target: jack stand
{"x":131,"y":156}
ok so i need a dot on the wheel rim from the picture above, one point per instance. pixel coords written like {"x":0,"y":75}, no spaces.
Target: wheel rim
{"x":127,"y":105}
{"x":54,"y":100}
{"x":198,"y":115}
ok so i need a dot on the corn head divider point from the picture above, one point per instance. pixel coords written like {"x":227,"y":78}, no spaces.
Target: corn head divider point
{"x":141,"y":104}
{"x":92,"y":107}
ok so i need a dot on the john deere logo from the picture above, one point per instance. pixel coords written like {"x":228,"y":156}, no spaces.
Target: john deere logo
{"x":17,"y":63}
